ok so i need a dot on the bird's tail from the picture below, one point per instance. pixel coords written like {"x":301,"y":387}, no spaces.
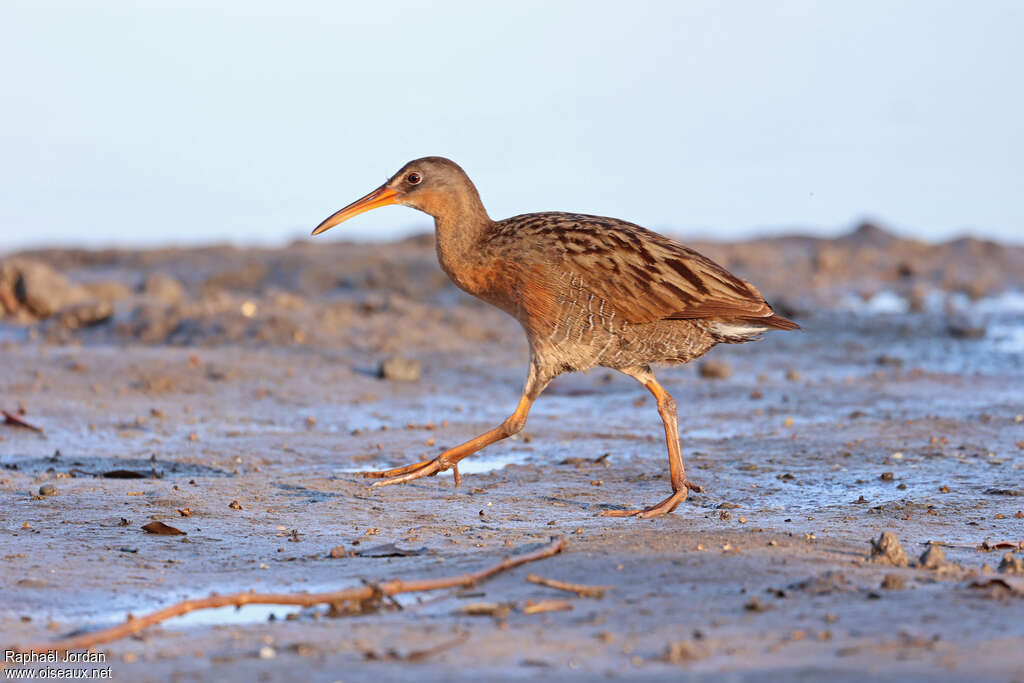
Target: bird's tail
{"x":776,"y":321}
{"x":744,"y":329}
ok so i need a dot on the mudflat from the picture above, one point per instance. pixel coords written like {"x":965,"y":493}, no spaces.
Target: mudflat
{"x":235,"y":395}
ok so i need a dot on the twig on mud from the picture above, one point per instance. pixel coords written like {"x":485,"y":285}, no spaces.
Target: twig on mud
{"x":547,"y":606}
{"x":499,"y":610}
{"x":1001,"y":545}
{"x":16,"y":421}
{"x":418,"y":655}
{"x":578,"y":588}
{"x":983,"y":546}
{"x":366,"y":592}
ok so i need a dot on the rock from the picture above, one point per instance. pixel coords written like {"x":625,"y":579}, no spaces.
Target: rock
{"x":287,"y":301}
{"x":165,"y":288}
{"x":337,"y":552}
{"x":714,"y":369}
{"x":37,"y":287}
{"x":398,"y":369}
{"x":892,"y":582}
{"x":918,"y":299}
{"x":47,"y":490}
{"x":682,"y":651}
{"x":933,"y":558}
{"x":1011,"y":564}
{"x":151,"y":323}
{"x":755,"y":605}
{"x":87,"y":315}
{"x":823,"y":584}
{"x":107,"y":290}
{"x":996,"y":491}
{"x":965,"y":331}
{"x":868,"y":234}
{"x":887,"y":550}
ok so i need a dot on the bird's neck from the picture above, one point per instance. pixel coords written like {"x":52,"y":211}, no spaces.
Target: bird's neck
{"x":460,"y":227}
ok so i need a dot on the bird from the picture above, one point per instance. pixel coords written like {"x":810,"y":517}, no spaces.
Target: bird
{"x":587,"y":290}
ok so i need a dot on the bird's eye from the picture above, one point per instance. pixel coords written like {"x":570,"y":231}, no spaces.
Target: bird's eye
{"x":413,"y":178}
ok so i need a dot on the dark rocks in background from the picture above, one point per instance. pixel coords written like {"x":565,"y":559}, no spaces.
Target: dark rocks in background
{"x":32,"y":290}
{"x":87,"y":314}
{"x":150,"y":323}
{"x":398,"y":369}
{"x":384,"y":298}
{"x":107,"y":291}
{"x":868,"y":234}
{"x":962,"y":330}
{"x":249,"y":277}
{"x":37,"y":288}
{"x":164,"y":287}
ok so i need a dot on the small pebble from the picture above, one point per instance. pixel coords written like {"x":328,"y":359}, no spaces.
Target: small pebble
{"x":399,"y":369}
{"x":714,"y":369}
{"x":892,"y":582}
{"x":47,"y":490}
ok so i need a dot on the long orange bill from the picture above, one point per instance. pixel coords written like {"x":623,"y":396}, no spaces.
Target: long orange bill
{"x":382,"y":196}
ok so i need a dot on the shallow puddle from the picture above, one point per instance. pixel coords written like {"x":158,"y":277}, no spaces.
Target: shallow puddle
{"x":475,"y":464}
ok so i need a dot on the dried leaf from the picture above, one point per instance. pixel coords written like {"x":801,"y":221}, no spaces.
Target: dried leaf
{"x":130,"y":474}
{"x":162,"y":529}
{"x":1000,"y":586}
{"x":16,"y":421}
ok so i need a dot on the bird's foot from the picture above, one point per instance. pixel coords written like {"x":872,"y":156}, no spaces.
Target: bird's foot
{"x":401,"y":475}
{"x":663,"y":508}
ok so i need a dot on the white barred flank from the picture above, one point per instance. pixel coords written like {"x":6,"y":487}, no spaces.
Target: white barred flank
{"x":735,"y":332}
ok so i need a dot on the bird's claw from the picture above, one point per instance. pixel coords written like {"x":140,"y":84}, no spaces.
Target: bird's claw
{"x":663,"y":508}
{"x":401,"y":475}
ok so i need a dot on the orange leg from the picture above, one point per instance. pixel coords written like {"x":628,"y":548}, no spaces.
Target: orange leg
{"x":680,"y":485}
{"x":450,"y":458}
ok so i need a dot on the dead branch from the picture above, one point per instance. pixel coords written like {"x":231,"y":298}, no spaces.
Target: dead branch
{"x":367,"y":591}
{"x":418,"y":655}
{"x":16,"y":421}
{"x":578,"y":588}
{"x":543,"y":606}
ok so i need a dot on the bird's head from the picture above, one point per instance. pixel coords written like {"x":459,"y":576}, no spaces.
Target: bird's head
{"x":433,"y":185}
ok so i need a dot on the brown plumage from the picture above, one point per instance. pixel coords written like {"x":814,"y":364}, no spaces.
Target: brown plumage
{"x":587,"y":290}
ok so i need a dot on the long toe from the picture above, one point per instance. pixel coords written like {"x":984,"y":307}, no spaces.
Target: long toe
{"x":666,"y":506}
{"x":427,"y":469}
{"x":663,"y":508}
{"x":385,"y":474}
{"x":619,"y":513}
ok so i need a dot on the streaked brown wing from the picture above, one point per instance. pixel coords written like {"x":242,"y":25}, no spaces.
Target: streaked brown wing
{"x":645,"y":276}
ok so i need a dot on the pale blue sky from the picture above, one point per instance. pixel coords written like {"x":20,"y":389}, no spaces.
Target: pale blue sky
{"x":251,"y":121}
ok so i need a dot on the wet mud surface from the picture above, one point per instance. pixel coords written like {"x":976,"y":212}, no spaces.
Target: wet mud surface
{"x":878,"y":417}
